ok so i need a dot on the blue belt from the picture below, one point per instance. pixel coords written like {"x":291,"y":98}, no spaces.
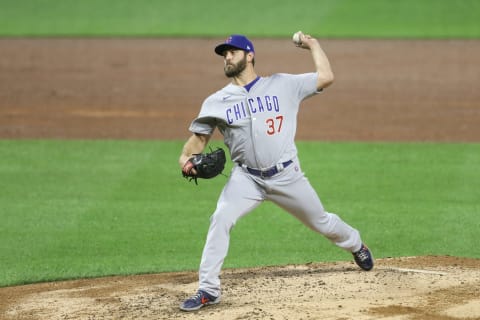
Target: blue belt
{"x":267,"y":173}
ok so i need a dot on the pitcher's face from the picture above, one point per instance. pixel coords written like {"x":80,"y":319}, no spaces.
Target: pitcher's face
{"x":235,"y":62}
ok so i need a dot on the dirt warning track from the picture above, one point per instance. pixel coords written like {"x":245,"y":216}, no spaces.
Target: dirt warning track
{"x":384,"y":90}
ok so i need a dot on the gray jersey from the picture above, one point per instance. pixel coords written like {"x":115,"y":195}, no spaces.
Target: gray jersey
{"x":258,"y":125}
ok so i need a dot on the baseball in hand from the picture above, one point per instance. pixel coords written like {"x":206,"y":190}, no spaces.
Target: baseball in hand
{"x":297,"y":39}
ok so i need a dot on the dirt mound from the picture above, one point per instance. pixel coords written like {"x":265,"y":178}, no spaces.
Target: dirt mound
{"x":414,"y":288}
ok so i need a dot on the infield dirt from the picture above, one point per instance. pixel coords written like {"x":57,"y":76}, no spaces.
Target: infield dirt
{"x":385,"y":90}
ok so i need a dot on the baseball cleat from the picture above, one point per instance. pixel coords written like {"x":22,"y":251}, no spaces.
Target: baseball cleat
{"x":364,"y":258}
{"x":199,"y":300}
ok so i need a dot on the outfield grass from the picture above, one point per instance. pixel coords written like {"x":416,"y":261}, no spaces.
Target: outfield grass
{"x":74,"y":209}
{"x":276,"y":18}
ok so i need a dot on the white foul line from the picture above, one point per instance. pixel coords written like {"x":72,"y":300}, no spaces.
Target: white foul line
{"x":419,"y":271}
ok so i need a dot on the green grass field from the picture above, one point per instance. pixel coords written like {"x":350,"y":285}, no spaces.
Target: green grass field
{"x":277,"y":18}
{"x":74,"y":209}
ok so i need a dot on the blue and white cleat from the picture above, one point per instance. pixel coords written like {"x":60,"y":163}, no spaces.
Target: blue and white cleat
{"x":199,"y":300}
{"x":364,"y":258}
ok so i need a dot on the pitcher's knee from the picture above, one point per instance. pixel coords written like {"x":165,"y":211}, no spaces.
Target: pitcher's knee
{"x":221,"y":218}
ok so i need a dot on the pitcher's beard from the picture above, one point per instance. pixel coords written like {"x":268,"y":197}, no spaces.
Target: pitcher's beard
{"x":233,"y":70}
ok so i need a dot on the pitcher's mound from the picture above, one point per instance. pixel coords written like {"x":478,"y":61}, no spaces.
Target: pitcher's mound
{"x":402,"y":288}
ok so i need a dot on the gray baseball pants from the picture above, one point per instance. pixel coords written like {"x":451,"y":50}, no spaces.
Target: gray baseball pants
{"x":243,"y":192}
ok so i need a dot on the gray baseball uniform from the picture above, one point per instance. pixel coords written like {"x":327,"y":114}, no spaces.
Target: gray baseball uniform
{"x":258,"y":123}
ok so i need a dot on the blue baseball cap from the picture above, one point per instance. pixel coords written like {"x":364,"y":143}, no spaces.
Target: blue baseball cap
{"x":235,"y":41}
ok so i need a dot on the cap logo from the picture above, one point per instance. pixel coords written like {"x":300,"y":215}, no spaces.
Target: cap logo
{"x":236,"y":41}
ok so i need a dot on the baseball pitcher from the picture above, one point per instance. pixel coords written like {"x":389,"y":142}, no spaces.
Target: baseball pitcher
{"x":257,"y":116}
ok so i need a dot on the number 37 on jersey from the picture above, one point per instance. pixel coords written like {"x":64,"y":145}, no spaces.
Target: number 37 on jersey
{"x":274,"y":125}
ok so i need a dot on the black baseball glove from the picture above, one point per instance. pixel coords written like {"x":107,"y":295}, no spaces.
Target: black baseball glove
{"x":205,"y":165}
